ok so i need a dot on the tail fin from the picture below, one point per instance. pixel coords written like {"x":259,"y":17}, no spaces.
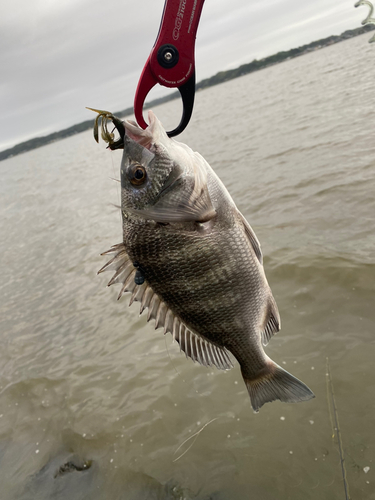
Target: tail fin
{"x":276,"y":383}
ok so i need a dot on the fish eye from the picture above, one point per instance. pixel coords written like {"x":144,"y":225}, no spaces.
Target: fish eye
{"x":137,"y":174}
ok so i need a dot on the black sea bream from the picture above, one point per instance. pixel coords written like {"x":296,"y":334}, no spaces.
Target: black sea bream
{"x":191,"y":258}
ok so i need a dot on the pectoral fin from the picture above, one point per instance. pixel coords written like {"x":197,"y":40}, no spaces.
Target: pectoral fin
{"x":181,"y":206}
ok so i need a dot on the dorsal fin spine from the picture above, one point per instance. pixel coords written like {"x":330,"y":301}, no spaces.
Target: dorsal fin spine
{"x":204,"y":349}
{"x":211,"y":352}
{"x":217,"y":357}
{"x":160,"y":316}
{"x":146,"y":298}
{"x":133,"y":296}
{"x":141,"y":294}
{"x":117,"y":273}
{"x":176,"y":330}
{"x":155,"y":307}
{"x":168,"y":317}
{"x":198,"y":350}
{"x":221,"y":354}
{"x":196,"y":347}
{"x":127,"y":286}
{"x":203,"y":354}
{"x":151,"y":305}
{"x":193,"y":348}
{"x":184,"y":336}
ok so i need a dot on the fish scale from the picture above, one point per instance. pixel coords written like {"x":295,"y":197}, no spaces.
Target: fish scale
{"x":199,"y":263}
{"x":164,"y":270}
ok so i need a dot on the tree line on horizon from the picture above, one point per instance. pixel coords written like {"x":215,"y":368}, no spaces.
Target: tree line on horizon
{"x":220,"y":77}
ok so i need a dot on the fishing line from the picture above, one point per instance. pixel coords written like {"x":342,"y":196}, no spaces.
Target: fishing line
{"x":170,"y":357}
{"x":336,"y":427}
{"x":191,"y":437}
{"x":314,"y":487}
{"x":117,"y":187}
{"x":195,"y":435}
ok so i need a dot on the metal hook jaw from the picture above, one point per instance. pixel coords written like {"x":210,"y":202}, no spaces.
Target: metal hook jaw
{"x":147,"y":82}
{"x":187,"y":91}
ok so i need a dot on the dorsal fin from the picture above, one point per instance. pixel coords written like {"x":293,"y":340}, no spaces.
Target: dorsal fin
{"x":194,"y":346}
{"x":271,"y":321}
{"x":252,"y":238}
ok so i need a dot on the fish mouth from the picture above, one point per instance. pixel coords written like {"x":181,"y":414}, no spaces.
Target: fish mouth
{"x":154,"y":133}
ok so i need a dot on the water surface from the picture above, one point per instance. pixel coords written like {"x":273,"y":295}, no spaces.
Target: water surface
{"x":84,"y":379}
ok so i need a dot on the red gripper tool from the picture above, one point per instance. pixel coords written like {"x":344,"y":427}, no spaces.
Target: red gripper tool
{"x":171,"y":61}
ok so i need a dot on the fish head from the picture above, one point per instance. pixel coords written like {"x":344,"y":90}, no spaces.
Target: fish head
{"x":162,"y":179}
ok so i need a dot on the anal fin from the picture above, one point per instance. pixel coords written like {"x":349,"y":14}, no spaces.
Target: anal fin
{"x":271,"y":323}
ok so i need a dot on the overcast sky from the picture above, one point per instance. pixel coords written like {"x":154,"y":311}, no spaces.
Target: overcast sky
{"x":58,"y":56}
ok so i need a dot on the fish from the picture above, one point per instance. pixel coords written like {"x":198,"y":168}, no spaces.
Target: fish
{"x":190,"y":257}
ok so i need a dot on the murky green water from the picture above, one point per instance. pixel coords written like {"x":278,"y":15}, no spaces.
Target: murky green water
{"x":85,"y":380}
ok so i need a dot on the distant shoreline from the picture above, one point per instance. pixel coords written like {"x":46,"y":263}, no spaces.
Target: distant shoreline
{"x":220,"y":77}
